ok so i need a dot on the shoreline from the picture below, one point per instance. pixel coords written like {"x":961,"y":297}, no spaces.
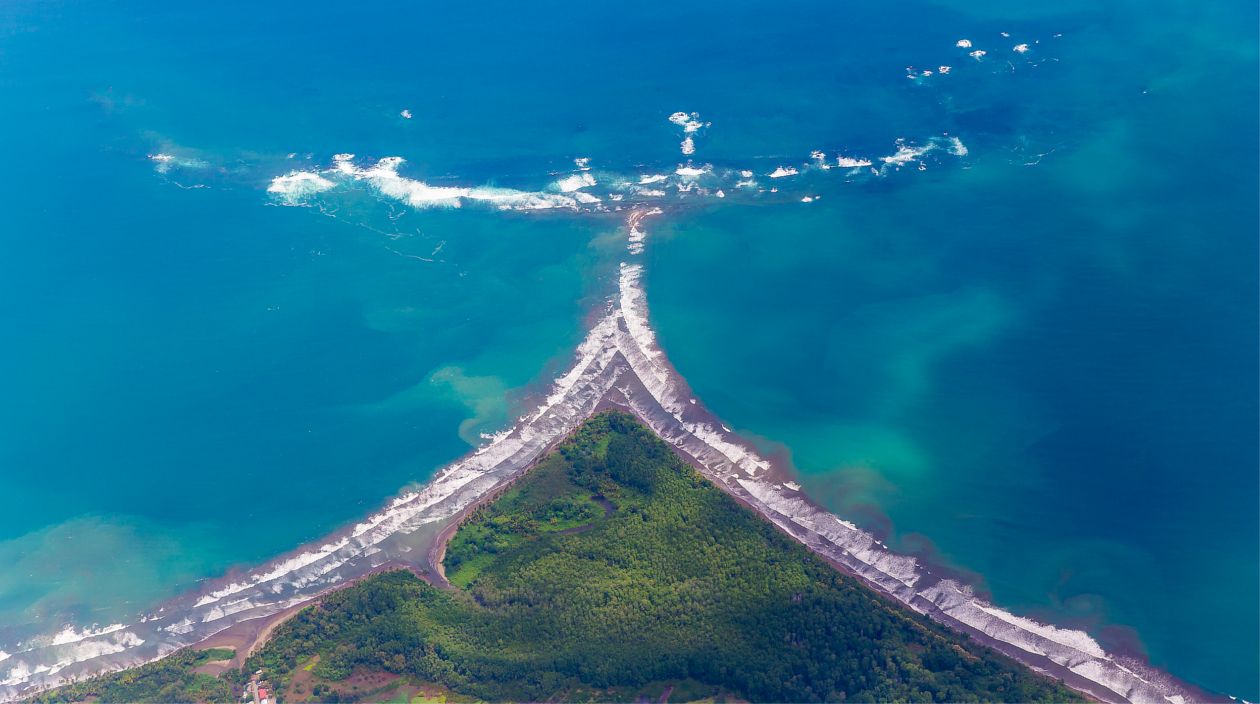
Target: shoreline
{"x":248,"y":637}
{"x":437,"y":553}
{"x":1042,"y":666}
{"x":1046,"y":668}
{"x":1146,"y":677}
{"x":618,"y":364}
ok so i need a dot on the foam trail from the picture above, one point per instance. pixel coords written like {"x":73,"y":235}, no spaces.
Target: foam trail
{"x":163,"y":162}
{"x":384,"y":178}
{"x":582,"y":191}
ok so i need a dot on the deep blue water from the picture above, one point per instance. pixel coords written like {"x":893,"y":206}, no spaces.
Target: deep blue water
{"x":1036,"y":363}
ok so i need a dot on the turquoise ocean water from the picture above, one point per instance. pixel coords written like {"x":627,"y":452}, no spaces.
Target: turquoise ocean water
{"x":1034,"y":363}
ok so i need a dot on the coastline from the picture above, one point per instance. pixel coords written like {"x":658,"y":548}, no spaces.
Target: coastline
{"x":618,"y":365}
{"x":436,"y":573}
{"x":1040,"y":664}
{"x":248,"y":637}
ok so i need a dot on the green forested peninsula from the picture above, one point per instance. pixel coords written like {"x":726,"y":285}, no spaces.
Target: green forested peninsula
{"x":612,"y":571}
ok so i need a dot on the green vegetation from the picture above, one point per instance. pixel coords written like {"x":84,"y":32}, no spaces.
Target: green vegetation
{"x":613,"y":571}
{"x":171,"y":679}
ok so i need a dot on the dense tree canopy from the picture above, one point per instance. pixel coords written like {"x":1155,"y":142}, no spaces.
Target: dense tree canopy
{"x":614,"y":570}
{"x":170,"y":679}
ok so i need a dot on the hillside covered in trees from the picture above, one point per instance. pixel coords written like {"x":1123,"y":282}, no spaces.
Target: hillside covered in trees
{"x":612,"y":571}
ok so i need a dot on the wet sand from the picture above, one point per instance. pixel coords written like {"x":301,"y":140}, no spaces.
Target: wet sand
{"x":248,"y":637}
{"x":618,"y":365}
{"x":437,"y":553}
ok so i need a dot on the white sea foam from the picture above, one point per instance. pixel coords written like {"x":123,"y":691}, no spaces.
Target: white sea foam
{"x":652,"y":178}
{"x":511,"y":199}
{"x":691,"y":171}
{"x":296,"y":187}
{"x":689,"y":121}
{"x":21,"y":672}
{"x":635,"y":235}
{"x":406,"y":114}
{"x":848,"y":162}
{"x":906,"y":153}
{"x":569,"y":184}
{"x":70,"y":634}
{"x":956,"y":147}
{"x":783,"y":171}
{"x":277,"y":570}
{"x":1078,"y":640}
{"x":963,"y":44}
{"x":100,"y":644}
{"x":1021,"y":48}
{"x":977,"y":54}
{"x":181,"y":627}
{"x":384,"y":178}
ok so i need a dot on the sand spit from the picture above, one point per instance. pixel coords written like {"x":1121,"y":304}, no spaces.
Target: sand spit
{"x":617,"y":365}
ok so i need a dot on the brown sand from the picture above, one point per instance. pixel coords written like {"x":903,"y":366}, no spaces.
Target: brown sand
{"x":247,"y":637}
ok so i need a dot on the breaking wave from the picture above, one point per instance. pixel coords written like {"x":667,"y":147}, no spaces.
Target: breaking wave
{"x":583,"y":190}
{"x":296,"y":187}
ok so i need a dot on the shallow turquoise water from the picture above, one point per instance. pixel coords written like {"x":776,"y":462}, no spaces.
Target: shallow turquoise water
{"x":1035,"y":363}
{"x":1042,"y":375}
